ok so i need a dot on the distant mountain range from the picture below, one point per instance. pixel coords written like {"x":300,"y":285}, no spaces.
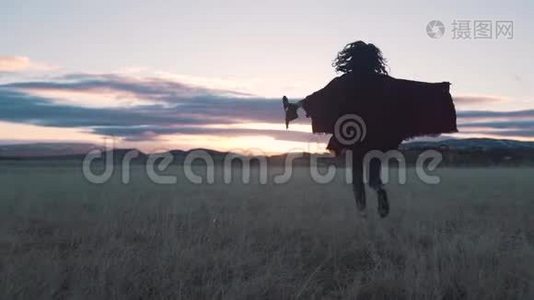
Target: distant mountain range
{"x":470,"y":144}
{"x":73,"y":149}
{"x":45,"y":149}
{"x":455,"y":152}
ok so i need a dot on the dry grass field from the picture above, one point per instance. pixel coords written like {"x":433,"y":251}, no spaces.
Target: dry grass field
{"x":469,"y":237}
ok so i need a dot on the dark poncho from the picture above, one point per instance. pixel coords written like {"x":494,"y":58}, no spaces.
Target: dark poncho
{"x":392,"y":109}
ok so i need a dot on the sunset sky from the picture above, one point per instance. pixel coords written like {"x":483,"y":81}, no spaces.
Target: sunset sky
{"x":159,"y":75}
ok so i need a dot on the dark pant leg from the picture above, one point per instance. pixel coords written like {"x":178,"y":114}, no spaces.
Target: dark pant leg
{"x":375,"y":166}
{"x":375,"y":182}
{"x":358,"y":185}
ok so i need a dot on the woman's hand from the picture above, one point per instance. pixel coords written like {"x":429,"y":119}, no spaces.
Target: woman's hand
{"x":291,"y":110}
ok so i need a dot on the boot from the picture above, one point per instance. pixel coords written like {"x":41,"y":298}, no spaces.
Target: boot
{"x":359,"y":196}
{"x":383,"y":204}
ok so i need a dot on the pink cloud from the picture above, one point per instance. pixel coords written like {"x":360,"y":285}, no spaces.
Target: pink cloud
{"x":22,"y":63}
{"x":478,"y":99}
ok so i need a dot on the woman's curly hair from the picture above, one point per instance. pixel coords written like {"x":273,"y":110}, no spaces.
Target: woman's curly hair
{"x":360,"y":57}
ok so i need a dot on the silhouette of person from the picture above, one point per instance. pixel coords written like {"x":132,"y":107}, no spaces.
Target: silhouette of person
{"x":392,"y":110}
